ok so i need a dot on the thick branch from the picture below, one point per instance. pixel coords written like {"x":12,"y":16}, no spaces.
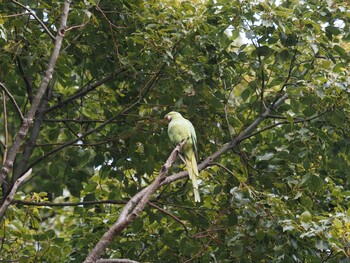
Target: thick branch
{"x":132,"y":209}
{"x":36,"y":102}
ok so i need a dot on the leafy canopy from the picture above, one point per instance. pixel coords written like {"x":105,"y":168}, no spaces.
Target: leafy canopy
{"x":98,"y":137}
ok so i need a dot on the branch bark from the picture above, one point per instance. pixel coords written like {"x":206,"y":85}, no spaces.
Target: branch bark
{"x":28,"y":120}
{"x":132,"y":209}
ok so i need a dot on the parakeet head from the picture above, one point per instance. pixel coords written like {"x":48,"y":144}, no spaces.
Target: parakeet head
{"x":171,"y":115}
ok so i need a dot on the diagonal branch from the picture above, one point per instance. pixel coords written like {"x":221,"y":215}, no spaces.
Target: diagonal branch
{"x":132,"y":209}
{"x":9,"y":198}
{"x":28,"y":120}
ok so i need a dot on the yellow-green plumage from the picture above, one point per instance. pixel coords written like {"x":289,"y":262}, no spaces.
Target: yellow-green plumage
{"x":180,"y":129}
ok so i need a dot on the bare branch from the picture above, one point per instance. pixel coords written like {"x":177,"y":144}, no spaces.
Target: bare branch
{"x":133,"y":208}
{"x":9,"y":198}
{"x":28,"y":120}
{"x":32,"y":13}
{"x":8,"y":93}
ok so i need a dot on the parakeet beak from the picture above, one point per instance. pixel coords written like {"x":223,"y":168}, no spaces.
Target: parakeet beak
{"x":167,"y":117}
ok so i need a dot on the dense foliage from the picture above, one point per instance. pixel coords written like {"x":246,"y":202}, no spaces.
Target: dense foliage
{"x":99,"y":137}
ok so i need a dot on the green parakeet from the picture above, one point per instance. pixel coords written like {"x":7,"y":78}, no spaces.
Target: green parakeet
{"x":180,"y":129}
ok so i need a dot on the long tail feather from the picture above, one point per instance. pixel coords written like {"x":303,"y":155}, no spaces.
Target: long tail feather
{"x":193,"y":173}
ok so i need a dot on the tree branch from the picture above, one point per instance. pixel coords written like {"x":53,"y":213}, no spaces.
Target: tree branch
{"x":32,"y":13}
{"x":132,"y":209}
{"x":28,"y":120}
{"x":85,"y":90}
{"x":9,"y":198}
{"x":8,"y":93}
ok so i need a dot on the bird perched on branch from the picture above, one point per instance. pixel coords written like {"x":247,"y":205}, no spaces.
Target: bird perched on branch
{"x":180,"y":129}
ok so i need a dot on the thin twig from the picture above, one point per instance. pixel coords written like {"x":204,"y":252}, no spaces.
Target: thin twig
{"x":10,"y":196}
{"x":27,"y":81}
{"x":169,"y":214}
{"x":32,"y":13}
{"x":229,"y":128}
{"x":15,"y":15}
{"x":84,"y":21}
{"x":8,"y":93}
